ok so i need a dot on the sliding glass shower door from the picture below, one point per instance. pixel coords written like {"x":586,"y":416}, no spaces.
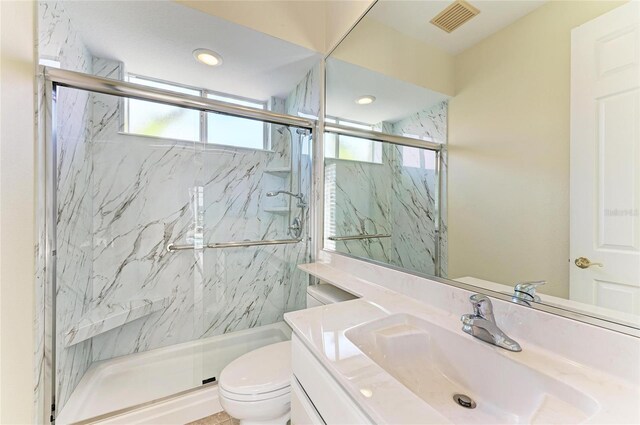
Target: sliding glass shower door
{"x":174,"y":254}
{"x":122,"y":198}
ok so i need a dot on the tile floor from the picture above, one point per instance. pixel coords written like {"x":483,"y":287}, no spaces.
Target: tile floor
{"x":220,"y":418}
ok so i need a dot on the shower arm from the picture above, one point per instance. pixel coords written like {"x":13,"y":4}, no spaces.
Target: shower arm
{"x":299,"y":196}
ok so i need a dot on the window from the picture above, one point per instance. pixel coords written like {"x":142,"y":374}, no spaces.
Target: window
{"x":352,"y":148}
{"x":172,"y":122}
{"x":416,"y":157}
{"x":155,"y":119}
{"x":228,"y":130}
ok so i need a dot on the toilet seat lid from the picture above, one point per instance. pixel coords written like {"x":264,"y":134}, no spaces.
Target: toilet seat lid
{"x":260,"y":371}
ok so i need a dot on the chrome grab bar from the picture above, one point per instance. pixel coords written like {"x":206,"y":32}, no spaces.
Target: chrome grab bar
{"x":355,"y":237}
{"x":238,"y":244}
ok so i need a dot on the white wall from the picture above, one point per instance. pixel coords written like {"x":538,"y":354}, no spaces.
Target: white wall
{"x":316,"y":25}
{"x":300,"y":22}
{"x":17,"y":194}
{"x":378,"y":47}
{"x":509,"y":150}
{"x":341,"y":16}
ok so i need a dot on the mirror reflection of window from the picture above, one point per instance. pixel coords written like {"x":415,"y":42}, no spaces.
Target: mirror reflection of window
{"x":418,"y":158}
{"x":352,"y":148}
{"x":330,"y":226}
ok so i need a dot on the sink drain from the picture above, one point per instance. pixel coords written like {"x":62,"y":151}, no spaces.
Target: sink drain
{"x":464,"y":401}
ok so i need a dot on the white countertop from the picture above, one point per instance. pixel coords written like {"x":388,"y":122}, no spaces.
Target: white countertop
{"x":386,"y":400}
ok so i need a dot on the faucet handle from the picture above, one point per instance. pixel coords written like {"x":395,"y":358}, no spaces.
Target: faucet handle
{"x":482,"y":307}
{"x":527,"y":290}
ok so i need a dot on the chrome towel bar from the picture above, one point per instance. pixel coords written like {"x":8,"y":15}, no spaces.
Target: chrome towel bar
{"x":354,"y":237}
{"x":239,"y":244}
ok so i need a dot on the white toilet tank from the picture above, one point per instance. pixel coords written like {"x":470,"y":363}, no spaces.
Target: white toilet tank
{"x":325,"y":293}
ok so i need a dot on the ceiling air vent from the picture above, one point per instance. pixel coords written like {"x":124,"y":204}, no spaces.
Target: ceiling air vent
{"x":454,"y":15}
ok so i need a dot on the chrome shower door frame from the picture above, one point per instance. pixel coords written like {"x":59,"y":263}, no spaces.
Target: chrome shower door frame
{"x":49,"y":80}
{"x":45,"y":390}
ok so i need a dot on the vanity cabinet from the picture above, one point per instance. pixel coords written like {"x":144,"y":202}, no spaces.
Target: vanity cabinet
{"x":316,"y":398}
{"x":303,"y":412}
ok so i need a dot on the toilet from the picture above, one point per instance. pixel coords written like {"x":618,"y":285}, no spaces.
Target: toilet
{"x":255,"y":388}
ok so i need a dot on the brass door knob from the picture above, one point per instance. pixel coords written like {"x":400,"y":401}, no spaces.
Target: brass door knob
{"x":585,"y":263}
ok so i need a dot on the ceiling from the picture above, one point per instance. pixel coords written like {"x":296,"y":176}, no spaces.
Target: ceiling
{"x":412,"y":18}
{"x":157,"y":38}
{"x":395,"y":99}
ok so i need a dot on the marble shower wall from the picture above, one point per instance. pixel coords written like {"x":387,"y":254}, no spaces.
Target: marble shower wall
{"x":250,"y":287}
{"x":358,"y":201}
{"x":305,"y":100}
{"x":57,"y":40}
{"x":395,"y":197}
{"x":428,"y":124}
{"x":152,"y":192}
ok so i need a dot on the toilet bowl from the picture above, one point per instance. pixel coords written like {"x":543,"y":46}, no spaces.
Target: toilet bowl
{"x":256,"y":388}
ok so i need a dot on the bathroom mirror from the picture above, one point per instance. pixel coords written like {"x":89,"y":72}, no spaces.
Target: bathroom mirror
{"x":529,"y":170}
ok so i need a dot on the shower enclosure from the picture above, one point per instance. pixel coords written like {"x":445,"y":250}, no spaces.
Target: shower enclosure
{"x":166,"y":258}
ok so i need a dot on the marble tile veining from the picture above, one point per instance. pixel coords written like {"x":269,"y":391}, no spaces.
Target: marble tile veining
{"x":59,"y":41}
{"x":110,"y":317}
{"x":428,"y":124}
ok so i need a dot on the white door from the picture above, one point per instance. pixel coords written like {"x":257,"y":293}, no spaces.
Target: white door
{"x":605,"y":160}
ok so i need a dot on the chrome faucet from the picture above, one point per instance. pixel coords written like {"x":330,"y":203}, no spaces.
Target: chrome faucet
{"x":482,"y":324}
{"x":525,"y":292}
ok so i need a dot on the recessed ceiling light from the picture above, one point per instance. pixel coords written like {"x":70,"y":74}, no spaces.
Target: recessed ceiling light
{"x":365,"y":100}
{"x":207,"y":57}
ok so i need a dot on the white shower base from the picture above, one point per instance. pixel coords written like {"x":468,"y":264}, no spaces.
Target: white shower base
{"x":113,"y":385}
{"x":181,"y":409}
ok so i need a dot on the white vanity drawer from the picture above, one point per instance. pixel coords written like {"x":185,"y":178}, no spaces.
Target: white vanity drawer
{"x":332,"y":403}
{"x":303,"y":411}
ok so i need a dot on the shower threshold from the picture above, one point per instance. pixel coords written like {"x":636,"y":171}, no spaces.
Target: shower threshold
{"x":126,"y":383}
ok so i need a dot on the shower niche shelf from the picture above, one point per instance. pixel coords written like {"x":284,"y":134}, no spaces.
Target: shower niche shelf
{"x":104,"y":318}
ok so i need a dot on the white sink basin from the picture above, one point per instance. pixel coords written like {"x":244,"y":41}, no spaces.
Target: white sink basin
{"x":435,"y":363}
